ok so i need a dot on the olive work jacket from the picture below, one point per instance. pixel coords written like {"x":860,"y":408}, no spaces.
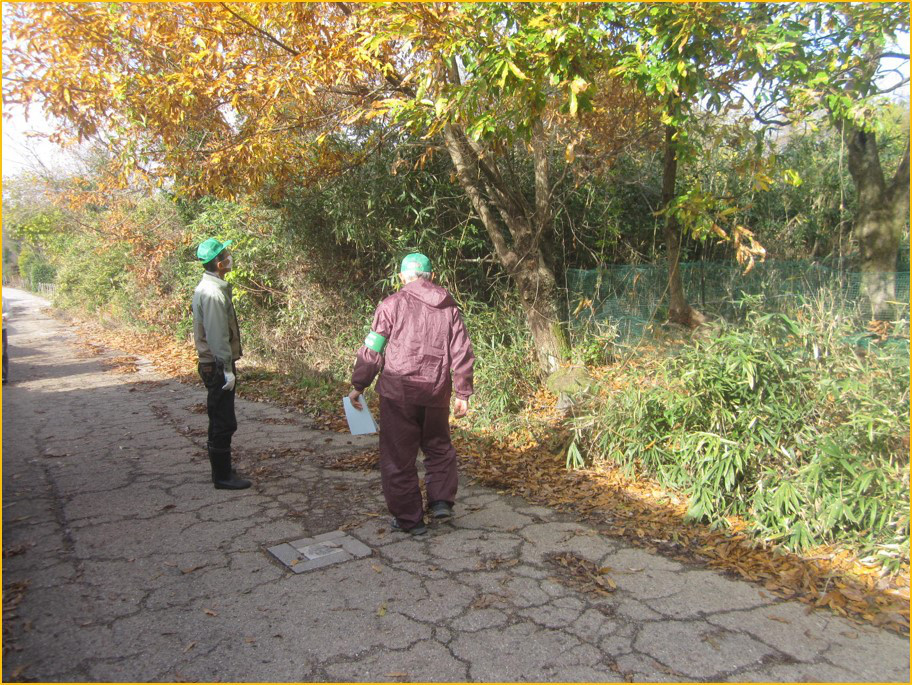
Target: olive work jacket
{"x":215,"y":324}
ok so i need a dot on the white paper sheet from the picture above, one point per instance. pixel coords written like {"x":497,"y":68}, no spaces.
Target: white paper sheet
{"x":360,"y":422}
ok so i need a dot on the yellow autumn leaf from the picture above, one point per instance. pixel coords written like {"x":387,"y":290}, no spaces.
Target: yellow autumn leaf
{"x":517,"y":72}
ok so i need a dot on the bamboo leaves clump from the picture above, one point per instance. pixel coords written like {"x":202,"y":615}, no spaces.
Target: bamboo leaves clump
{"x":783,"y":421}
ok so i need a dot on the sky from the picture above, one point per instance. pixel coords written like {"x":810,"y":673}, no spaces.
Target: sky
{"x":20,"y":152}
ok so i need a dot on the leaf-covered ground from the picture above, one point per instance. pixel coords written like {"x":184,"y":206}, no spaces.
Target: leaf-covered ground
{"x":527,"y":464}
{"x":530,"y":462}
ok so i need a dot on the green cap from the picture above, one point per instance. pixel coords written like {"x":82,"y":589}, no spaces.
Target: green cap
{"x":415,"y":262}
{"x":210,"y":248}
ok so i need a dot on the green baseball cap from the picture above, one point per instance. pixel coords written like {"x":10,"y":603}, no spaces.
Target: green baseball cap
{"x":210,"y":248}
{"x":415,"y":262}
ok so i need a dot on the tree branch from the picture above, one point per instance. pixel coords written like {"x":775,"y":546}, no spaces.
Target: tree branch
{"x":758,"y":114}
{"x":899,"y":85}
{"x":543,"y":189}
{"x":464,"y":163}
{"x":495,"y":181}
{"x":272,"y":39}
{"x":892,"y":55}
{"x":899,"y":186}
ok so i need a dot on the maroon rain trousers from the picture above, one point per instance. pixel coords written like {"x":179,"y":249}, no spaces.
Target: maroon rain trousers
{"x":403,"y":429}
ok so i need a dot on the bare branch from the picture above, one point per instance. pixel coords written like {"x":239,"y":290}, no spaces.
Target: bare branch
{"x":892,"y":55}
{"x":759,"y":114}
{"x":899,"y":85}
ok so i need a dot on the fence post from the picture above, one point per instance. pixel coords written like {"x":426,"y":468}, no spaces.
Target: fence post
{"x":48,"y":289}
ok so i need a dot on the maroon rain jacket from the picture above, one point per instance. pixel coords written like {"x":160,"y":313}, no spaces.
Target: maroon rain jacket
{"x":426,"y":338}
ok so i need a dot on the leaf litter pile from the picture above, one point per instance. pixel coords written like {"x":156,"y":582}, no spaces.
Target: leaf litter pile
{"x":581,"y":574}
{"x":529,"y":463}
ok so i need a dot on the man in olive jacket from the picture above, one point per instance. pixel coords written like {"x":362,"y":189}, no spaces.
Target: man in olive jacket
{"x":417,"y":339}
{"x":218,"y":344}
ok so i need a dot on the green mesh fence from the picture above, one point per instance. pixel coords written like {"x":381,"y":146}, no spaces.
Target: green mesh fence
{"x":631,"y":297}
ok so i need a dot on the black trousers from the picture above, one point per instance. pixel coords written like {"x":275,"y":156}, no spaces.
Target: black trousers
{"x":219,"y":405}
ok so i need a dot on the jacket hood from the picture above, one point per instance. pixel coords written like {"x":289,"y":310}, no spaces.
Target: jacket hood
{"x":428,"y":293}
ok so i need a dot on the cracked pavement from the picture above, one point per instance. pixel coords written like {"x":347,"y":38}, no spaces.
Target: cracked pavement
{"x":123,"y":563}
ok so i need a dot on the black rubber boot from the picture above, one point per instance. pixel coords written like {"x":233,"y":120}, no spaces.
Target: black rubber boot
{"x":418,"y":529}
{"x":222,"y":476}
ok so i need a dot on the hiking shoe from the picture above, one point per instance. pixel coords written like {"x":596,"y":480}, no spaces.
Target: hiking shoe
{"x":440,"y":510}
{"x":418,"y":529}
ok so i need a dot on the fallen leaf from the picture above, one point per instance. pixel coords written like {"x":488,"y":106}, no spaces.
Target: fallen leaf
{"x":210,"y":612}
{"x":710,"y":640}
{"x":610,"y":585}
{"x":484,"y":601}
{"x":381,"y":610}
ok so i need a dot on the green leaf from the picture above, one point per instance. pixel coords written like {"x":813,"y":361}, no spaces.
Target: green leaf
{"x":517,"y":71}
{"x":574,"y":457}
{"x":821,"y":78}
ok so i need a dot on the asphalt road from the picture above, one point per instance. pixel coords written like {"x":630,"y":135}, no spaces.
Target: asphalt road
{"x":121,"y":562}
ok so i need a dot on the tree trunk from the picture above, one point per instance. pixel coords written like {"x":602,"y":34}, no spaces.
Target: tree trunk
{"x":883,"y":211}
{"x":679,"y":311}
{"x":519,"y":244}
{"x":537,"y":290}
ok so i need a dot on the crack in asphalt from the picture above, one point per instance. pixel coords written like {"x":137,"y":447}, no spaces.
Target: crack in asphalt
{"x":144,"y":572}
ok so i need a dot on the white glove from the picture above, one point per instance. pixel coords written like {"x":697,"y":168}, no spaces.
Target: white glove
{"x":229,"y":381}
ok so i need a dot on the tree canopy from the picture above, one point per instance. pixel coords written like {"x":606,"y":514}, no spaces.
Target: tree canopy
{"x":232,"y":98}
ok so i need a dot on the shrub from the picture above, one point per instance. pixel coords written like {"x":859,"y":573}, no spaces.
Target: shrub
{"x":35,"y":268}
{"x":94,"y":277}
{"x":41,"y":272}
{"x":783,"y":421}
{"x":505,"y":370}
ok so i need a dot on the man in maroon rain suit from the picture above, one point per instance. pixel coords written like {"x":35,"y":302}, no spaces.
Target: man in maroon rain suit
{"x":417,"y":338}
